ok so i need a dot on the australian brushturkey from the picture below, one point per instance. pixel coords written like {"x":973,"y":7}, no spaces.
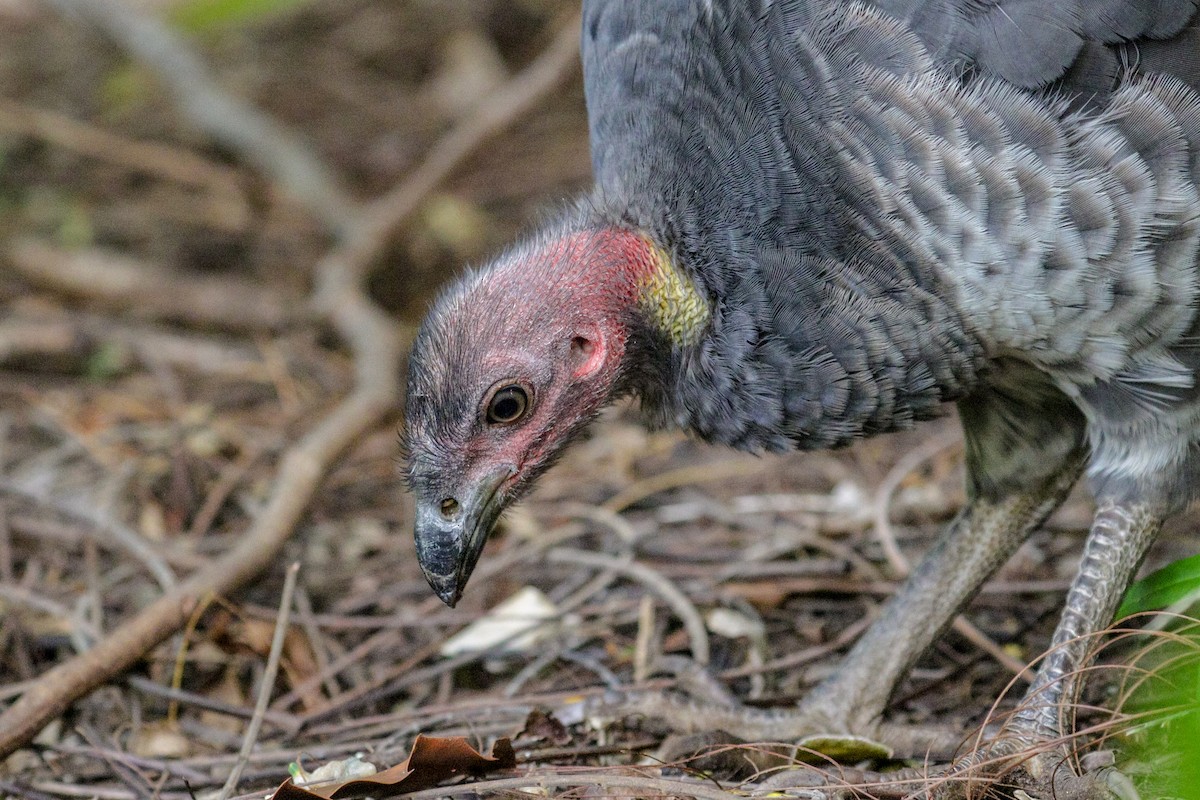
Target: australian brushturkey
{"x":817,"y":220}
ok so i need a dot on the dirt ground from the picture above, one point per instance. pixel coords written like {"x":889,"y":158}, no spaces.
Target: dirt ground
{"x":194,"y":395}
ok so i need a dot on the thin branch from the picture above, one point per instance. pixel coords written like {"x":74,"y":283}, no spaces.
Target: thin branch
{"x":104,"y":523}
{"x":891,"y":482}
{"x":268,"y":682}
{"x":637,"y":785}
{"x":22,"y":596}
{"x":304,"y":611}
{"x":682,"y":476}
{"x":283,"y":720}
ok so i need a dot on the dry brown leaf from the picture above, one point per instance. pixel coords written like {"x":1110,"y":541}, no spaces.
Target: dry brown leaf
{"x":431,"y":761}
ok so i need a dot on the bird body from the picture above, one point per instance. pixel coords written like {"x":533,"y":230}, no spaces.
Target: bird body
{"x":876,"y":247}
{"x":815,"y":221}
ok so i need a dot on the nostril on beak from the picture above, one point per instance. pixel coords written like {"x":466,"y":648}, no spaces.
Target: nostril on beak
{"x":449,"y":508}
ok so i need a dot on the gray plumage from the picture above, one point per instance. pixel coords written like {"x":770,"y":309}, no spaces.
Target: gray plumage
{"x":885,"y":218}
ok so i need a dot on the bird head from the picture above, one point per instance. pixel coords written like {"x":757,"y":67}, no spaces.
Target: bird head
{"x":510,"y":365}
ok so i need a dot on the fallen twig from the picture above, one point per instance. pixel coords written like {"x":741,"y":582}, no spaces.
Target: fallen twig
{"x":23,"y":596}
{"x":183,"y":697}
{"x":104,"y":523}
{"x":693,"y":623}
{"x":638,"y":785}
{"x":682,"y":476}
{"x":268,"y":682}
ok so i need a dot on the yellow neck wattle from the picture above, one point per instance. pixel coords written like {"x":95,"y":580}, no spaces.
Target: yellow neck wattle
{"x":670,"y":299}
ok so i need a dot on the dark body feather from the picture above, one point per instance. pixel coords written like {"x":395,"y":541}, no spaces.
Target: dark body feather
{"x":894,"y":205}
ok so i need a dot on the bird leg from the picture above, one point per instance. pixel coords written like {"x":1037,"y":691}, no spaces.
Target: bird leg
{"x":843,"y":715}
{"x":1121,"y":535}
{"x":979,"y":540}
{"x":1118,"y":541}
{"x":1030,"y":752}
{"x":1025,"y":449}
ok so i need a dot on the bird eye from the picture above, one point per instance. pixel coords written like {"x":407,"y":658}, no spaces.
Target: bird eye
{"x":507,"y":405}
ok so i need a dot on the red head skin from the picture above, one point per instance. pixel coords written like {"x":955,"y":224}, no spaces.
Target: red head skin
{"x":555,"y":319}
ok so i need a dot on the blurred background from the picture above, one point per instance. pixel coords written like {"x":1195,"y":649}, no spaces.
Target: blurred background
{"x":369,"y":87}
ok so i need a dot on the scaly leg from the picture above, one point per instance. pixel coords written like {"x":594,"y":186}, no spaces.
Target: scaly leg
{"x":1121,"y":535}
{"x":1119,"y":539}
{"x":851,"y":702}
{"x":982,"y":538}
{"x":1025,"y":450}
{"x":842,"y":716}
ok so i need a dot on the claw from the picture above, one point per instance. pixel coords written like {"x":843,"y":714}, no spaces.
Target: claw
{"x":1119,"y":784}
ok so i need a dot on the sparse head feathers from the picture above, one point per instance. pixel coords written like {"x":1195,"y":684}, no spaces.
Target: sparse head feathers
{"x":556,"y":312}
{"x":547,"y":283}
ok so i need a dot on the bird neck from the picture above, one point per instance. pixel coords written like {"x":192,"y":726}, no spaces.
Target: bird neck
{"x":803,"y":352}
{"x":669,"y":303}
{"x":769,"y":350}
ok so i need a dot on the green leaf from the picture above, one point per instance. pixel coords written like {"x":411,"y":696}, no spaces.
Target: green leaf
{"x":1162,"y":587}
{"x":845,"y":748}
{"x":202,"y":15}
{"x":1162,"y":746}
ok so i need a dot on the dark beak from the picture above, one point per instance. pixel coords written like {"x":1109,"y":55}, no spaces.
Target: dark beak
{"x":451,"y":532}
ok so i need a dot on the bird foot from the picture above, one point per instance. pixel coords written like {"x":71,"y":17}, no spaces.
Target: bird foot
{"x":719,"y":753}
{"x":1027,"y":770}
{"x":1013,"y":769}
{"x":702,"y":705}
{"x":706,"y":722}
{"x":715,"y":733}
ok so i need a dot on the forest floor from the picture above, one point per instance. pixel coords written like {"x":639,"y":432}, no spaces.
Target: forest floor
{"x":202,"y":329}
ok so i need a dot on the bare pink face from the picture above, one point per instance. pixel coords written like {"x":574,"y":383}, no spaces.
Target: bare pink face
{"x":508,"y":368}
